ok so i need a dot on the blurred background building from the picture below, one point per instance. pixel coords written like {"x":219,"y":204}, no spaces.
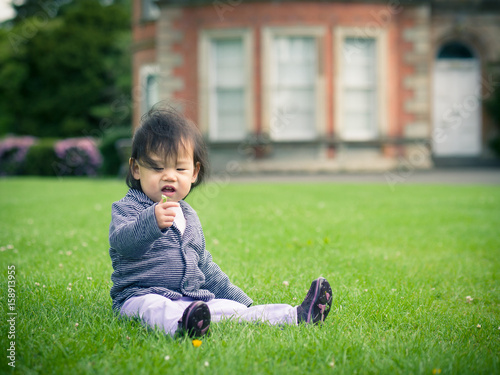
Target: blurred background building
{"x":323,"y":85}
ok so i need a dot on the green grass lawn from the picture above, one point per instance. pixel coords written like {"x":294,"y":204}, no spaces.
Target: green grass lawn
{"x":401,"y":264}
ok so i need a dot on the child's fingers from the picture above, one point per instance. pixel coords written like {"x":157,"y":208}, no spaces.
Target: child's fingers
{"x":165,"y":221}
{"x":169,"y":214}
{"x":164,"y":216}
{"x":168,"y":204}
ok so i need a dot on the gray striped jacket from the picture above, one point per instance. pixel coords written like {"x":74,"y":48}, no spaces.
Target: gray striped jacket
{"x":149,"y":260}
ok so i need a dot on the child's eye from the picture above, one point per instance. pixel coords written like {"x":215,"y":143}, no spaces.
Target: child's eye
{"x":157,"y":169}
{"x":181,"y":169}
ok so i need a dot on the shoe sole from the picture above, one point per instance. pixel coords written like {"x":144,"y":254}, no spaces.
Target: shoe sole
{"x":319,"y":310}
{"x":196,"y":319}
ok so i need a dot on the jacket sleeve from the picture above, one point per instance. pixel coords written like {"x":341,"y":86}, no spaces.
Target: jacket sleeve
{"x":132,"y":231}
{"x":217,"y":282}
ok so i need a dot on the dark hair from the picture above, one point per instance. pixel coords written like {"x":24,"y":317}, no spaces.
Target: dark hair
{"x":165,"y":132}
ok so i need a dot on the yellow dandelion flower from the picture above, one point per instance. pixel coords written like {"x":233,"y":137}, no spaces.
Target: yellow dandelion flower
{"x":196,"y":343}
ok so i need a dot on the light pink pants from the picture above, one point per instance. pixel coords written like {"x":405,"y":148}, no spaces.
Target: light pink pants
{"x":156,"y":310}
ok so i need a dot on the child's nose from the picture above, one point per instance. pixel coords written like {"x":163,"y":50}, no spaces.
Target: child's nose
{"x":169,"y":174}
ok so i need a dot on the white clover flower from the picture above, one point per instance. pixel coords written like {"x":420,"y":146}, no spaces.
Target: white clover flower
{"x":286,"y":283}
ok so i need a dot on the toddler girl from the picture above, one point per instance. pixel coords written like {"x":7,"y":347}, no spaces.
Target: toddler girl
{"x":162,"y":272}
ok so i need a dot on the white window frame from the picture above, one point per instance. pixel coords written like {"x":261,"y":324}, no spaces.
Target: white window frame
{"x":380,"y":36}
{"x":268,"y":35}
{"x":145,"y":72}
{"x":206,"y":98}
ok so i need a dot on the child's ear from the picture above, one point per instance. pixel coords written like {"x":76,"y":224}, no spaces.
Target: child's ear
{"x":197,"y":167}
{"x":134,"y":168}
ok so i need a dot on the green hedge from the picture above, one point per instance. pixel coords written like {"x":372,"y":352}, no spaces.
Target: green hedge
{"x":41,"y":159}
{"x":112,"y":161}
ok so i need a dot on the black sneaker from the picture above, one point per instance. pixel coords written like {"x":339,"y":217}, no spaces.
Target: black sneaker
{"x":317,"y":303}
{"x":195,"y":319}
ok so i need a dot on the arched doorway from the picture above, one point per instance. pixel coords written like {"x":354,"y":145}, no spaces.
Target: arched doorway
{"x":457,"y":102}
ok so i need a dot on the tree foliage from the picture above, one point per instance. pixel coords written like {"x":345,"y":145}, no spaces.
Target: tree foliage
{"x":65,"y":68}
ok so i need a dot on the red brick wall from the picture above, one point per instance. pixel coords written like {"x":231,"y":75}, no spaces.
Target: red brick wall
{"x":258,"y":15}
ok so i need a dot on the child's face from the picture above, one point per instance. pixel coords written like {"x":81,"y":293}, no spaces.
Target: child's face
{"x":172,"y":177}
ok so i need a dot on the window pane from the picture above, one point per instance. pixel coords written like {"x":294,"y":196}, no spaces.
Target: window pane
{"x":298,"y":100}
{"x":359,"y":123}
{"x":149,"y":84}
{"x":150,"y":10}
{"x":359,"y":100}
{"x":294,"y":88}
{"x":360,"y":76}
{"x":229,"y":57}
{"x":151,"y":90}
{"x":359,"y":51}
{"x":228,"y":90}
{"x":359,"y":88}
{"x":230,"y":108}
{"x":359,"y":62}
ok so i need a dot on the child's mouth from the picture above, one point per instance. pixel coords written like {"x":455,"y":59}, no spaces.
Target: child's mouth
{"x":168,"y":190}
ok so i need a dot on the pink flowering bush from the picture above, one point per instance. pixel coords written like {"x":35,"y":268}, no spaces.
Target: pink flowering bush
{"x":77,"y":157}
{"x":49,"y":157}
{"x":13,"y":152}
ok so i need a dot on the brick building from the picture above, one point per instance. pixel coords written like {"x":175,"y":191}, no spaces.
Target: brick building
{"x":322,"y":85}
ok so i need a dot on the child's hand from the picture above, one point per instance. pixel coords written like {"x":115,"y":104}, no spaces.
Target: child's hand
{"x":164,"y":215}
